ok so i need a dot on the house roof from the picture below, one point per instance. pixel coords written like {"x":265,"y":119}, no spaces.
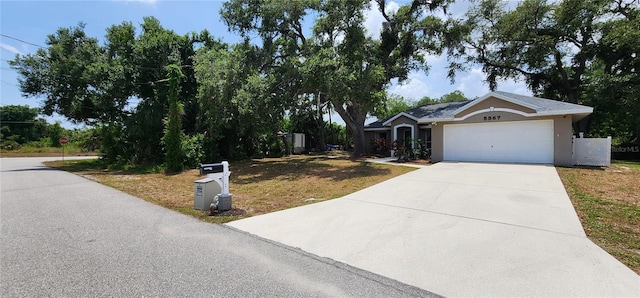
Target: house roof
{"x":540,"y":106}
{"x":447,"y":111}
{"x":376,"y":125}
{"x":419,"y":112}
{"x":441,"y":109}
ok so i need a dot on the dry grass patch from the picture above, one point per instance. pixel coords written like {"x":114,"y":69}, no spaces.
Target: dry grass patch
{"x":45,"y":152}
{"x":607,"y":201}
{"x":258,"y":186}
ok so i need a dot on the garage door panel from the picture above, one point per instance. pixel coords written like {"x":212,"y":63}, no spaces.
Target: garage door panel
{"x":517,"y":141}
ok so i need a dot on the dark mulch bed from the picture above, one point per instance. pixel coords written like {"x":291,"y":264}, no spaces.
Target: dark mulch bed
{"x":232,"y":212}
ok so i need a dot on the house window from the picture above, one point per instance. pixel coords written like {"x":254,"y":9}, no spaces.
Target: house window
{"x":427,"y":138}
{"x":382,"y":135}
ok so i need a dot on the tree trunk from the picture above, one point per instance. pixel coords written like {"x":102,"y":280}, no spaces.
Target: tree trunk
{"x":359,"y":140}
{"x":354,"y":118}
{"x":583,"y":124}
{"x":287,"y":147}
{"x":321,"y":143}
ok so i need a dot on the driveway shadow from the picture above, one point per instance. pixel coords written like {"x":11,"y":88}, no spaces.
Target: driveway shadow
{"x":38,"y":168}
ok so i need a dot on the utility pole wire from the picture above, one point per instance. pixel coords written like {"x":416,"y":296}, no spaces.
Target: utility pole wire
{"x":22,"y":41}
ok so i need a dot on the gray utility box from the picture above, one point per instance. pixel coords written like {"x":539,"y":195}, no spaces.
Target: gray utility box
{"x":205,"y":190}
{"x":224,"y":202}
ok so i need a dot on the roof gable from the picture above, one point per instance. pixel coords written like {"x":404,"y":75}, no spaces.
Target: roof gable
{"x":541,"y":106}
{"x":498,"y":96}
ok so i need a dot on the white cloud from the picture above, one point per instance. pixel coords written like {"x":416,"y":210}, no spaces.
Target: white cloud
{"x":10,"y":48}
{"x":374,"y":19}
{"x":514,"y":86}
{"x":472,"y":84}
{"x":413,"y":89}
{"x":436,"y":84}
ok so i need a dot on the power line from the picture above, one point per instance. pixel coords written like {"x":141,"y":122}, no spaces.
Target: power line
{"x":8,"y":83}
{"x":22,"y":41}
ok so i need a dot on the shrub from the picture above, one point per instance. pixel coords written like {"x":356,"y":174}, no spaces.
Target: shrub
{"x":9,"y":145}
{"x":193,"y":149}
{"x":42,"y":143}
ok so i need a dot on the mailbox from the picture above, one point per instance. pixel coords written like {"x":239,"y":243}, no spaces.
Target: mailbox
{"x":211,"y":168}
{"x":219,"y":172}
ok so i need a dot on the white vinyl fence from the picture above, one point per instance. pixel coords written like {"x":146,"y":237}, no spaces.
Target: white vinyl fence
{"x":592,"y":152}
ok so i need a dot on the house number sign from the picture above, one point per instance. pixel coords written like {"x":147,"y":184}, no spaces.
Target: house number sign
{"x":491,"y":118}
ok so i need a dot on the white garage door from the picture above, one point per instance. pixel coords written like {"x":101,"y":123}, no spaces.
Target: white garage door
{"x":517,"y":141}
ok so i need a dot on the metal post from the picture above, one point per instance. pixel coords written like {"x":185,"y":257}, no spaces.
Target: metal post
{"x":225,"y":178}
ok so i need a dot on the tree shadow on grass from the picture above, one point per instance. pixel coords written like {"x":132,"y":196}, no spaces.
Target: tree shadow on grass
{"x":321,"y":167}
{"x":333,"y":168}
{"x":97,"y":165}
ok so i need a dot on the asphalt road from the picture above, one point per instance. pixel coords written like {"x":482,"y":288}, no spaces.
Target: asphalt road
{"x":64,"y":235}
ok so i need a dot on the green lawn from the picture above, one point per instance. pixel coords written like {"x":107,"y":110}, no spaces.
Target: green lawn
{"x":607,"y":201}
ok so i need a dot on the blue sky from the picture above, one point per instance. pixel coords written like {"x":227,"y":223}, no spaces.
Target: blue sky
{"x":32,"y":21}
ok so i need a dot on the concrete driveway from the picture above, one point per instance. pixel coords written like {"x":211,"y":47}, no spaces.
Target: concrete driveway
{"x":459,"y":229}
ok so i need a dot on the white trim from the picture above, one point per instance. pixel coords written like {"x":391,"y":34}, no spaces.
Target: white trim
{"x":395,"y":130}
{"x":431,"y":120}
{"x":496,"y":95}
{"x":566,"y":112}
{"x":398,"y":116}
{"x":507,"y":110}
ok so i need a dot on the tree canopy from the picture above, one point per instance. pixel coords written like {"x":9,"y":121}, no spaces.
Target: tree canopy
{"x":564,"y":50}
{"x":120,"y":86}
{"x":340,"y":62}
{"x":21,"y":124}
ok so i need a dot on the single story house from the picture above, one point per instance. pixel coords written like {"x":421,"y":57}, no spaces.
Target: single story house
{"x":497,"y":127}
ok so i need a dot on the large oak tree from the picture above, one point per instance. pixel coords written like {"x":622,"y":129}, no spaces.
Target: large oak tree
{"x":339,"y":61}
